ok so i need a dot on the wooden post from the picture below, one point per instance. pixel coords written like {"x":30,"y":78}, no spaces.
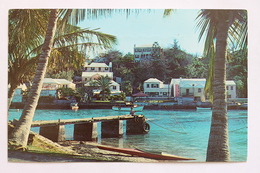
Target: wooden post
{"x":137,"y":126}
{"x":55,"y":133}
{"x":112,"y":129}
{"x":85,"y":132}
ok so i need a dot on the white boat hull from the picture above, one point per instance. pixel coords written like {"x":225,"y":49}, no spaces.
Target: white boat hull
{"x":201,"y":108}
{"x":122,"y":108}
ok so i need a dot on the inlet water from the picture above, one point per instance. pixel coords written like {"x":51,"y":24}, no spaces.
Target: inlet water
{"x":179,"y":132}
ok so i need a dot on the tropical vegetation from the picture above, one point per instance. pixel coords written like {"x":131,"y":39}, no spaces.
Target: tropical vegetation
{"x":21,"y":131}
{"x":55,"y":43}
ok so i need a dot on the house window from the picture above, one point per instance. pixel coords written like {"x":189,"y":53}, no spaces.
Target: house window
{"x":231,"y":88}
{"x":99,"y":68}
{"x":106,"y":68}
{"x":148,"y":86}
{"x":199,"y":90}
{"x":227,"y":87}
{"x":114,"y":87}
{"x":92,"y":68}
{"x":165,"y":93}
{"x":155,"y":86}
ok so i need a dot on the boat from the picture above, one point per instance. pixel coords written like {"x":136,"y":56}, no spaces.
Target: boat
{"x":74,"y":106}
{"x":203,"y":108}
{"x":143,"y":153}
{"x":136,"y":108}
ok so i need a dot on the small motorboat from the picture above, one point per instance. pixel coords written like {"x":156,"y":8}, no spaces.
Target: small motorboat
{"x":143,"y":153}
{"x":203,"y":108}
{"x":136,"y":108}
{"x":74,"y":106}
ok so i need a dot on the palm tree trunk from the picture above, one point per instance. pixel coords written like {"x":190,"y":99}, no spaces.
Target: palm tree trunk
{"x":218,"y":146}
{"x":11,"y":95}
{"x":21,"y":131}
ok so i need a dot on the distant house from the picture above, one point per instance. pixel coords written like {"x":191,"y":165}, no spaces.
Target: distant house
{"x":188,"y":88}
{"x":195,"y":88}
{"x":156,"y":88}
{"x":114,"y":88}
{"x":95,"y":70}
{"x":231,"y":89}
{"x":50,"y":86}
{"x":144,"y":52}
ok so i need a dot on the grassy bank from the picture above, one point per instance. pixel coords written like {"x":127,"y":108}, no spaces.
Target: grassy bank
{"x":41,"y":149}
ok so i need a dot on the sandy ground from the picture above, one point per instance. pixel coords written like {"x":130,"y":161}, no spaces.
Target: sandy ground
{"x":86,"y":149}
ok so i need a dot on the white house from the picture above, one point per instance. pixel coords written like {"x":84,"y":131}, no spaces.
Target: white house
{"x":188,"y":88}
{"x":195,"y":88}
{"x":114,"y":88}
{"x":95,"y":70}
{"x":50,"y":86}
{"x":156,"y":88}
{"x":144,"y":52}
{"x":231,"y":89}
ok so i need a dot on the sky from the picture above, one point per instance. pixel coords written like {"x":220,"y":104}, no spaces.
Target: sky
{"x":147,"y":28}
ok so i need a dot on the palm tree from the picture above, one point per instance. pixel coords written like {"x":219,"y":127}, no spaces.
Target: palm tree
{"x":68,"y":52}
{"x":104,"y":82}
{"x":221,"y":26}
{"x":21,"y":131}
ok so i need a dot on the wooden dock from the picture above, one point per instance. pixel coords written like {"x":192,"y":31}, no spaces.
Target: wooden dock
{"x":81,"y":120}
{"x":85,"y":129}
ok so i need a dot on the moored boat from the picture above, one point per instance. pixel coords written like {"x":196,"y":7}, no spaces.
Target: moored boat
{"x":74,"y":106}
{"x":128,"y":108}
{"x":203,"y":108}
{"x":146,"y":154}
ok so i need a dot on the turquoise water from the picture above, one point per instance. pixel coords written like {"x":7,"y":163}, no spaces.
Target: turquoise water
{"x":180,"y":132}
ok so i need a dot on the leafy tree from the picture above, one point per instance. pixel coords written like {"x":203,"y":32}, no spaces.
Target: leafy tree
{"x":65,"y":92}
{"x":61,"y":75}
{"x":156,"y":51}
{"x":127,"y":88}
{"x":198,"y":68}
{"x":237,"y":70}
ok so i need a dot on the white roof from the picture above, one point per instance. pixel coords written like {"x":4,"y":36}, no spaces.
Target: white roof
{"x":198,"y":82}
{"x":96,"y":64}
{"x":153,"y":80}
{"x":55,"y":81}
{"x":113,"y":82}
{"x":90,"y":74}
{"x":230,"y":82}
{"x":145,"y":45}
{"x":63,"y":81}
{"x":49,"y":81}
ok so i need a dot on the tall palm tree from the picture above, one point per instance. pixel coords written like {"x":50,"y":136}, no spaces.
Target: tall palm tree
{"x":68,"y":52}
{"x":220,"y":27}
{"x":21,"y":131}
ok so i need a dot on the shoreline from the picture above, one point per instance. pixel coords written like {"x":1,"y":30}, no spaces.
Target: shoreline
{"x":156,"y":106}
{"x":71,"y":151}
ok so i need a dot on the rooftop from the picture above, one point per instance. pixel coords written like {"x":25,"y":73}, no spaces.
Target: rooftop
{"x":96,"y":64}
{"x":153,"y":80}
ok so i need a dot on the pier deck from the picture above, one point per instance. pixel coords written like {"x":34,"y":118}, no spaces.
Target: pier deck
{"x":42,"y":123}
